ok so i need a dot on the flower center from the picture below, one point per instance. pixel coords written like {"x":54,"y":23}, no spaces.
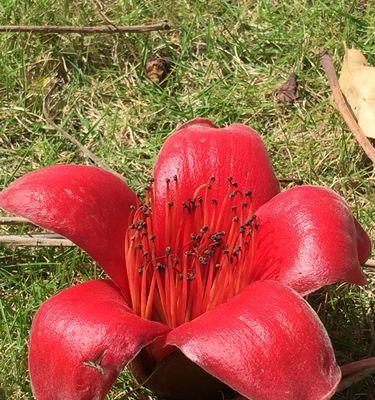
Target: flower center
{"x":204,"y":258}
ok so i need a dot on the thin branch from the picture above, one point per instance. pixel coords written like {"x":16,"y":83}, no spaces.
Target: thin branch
{"x":14,"y":221}
{"x":345,"y":111}
{"x":356,"y":371}
{"x":36,"y":240}
{"x":165,"y":25}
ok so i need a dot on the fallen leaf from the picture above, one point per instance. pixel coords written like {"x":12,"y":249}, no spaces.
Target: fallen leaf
{"x":289,"y":91}
{"x":357,"y":82}
{"x":158,"y":68}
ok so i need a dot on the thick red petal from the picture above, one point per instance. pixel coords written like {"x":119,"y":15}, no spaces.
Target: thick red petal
{"x":81,"y":339}
{"x":200,"y":150}
{"x":86,"y":204}
{"x":266,"y":343}
{"x":308,"y":238}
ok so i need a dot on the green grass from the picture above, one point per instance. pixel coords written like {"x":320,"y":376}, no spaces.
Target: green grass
{"x":229,"y":59}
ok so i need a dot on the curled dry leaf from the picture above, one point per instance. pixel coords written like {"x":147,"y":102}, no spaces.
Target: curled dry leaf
{"x":289,"y":90}
{"x":158,"y":68}
{"x":357,"y":82}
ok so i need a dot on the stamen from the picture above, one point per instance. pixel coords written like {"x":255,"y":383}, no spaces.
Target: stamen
{"x":207,"y":254}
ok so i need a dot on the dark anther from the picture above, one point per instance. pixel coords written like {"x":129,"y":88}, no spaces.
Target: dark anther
{"x":133,"y":207}
{"x":167,"y":181}
{"x":217,"y":266}
{"x":209,"y":186}
{"x":152,"y":237}
{"x":168,"y":250}
{"x":139,"y":246}
{"x":141,"y":224}
{"x":145,"y":254}
{"x":152,"y":180}
{"x":250,"y":221}
{"x":256,"y":226}
{"x":193,"y":236}
{"x":204,"y":229}
{"x":170,"y":203}
{"x":141,"y":269}
{"x":203,"y":260}
{"x":189,"y":253}
{"x":184,"y":205}
{"x":242,"y":229}
{"x":250,"y":232}
{"x":237,"y":249}
{"x":175,"y":178}
{"x":132,"y":226}
{"x":145,"y":210}
{"x":235,"y":184}
{"x":233,"y":194}
{"x":214,"y":202}
{"x":230,"y":178}
{"x":234,"y":208}
{"x":245,"y":204}
{"x":200,"y":199}
{"x":218,"y":236}
{"x":212,"y":179}
{"x":160,"y":267}
{"x":236,"y":218}
{"x":190,"y":276}
{"x":176,"y":261}
{"x":248,"y":193}
{"x":226,"y":251}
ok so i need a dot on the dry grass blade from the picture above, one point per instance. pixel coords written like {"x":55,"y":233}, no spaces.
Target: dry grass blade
{"x":84,"y":150}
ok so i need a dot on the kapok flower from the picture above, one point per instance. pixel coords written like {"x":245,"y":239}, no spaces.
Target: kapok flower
{"x":207,"y":274}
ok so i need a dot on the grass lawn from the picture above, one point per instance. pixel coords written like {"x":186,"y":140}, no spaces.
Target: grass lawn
{"x":229,"y":58}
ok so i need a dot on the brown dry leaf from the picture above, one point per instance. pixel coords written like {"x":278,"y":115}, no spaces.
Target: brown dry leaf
{"x":357,"y":82}
{"x":289,"y":91}
{"x":158,"y":68}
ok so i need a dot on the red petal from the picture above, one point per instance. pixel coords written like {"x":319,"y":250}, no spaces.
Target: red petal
{"x":199,"y":150}
{"x":81,"y":339}
{"x":307,"y":238}
{"x":88,"y":205}
{"x":266,"y":343}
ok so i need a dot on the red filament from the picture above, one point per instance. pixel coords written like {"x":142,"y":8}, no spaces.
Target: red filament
{"x":207,"y":258}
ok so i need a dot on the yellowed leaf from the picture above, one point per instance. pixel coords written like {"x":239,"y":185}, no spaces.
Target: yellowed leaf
{"x":357,"y":82}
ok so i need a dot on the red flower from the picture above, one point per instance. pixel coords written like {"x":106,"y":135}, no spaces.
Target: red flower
{"x":207,"y":274}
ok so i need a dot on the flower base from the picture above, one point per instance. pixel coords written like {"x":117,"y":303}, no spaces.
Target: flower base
{"x":177,"y":378}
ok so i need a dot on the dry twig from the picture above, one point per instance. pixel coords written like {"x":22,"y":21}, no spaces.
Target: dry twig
{"x":356,"y":371}
{"x":345,"y":111}
{"x":165,"y":25}
{"x":35,"y":240}
{"x":14,"y":221}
